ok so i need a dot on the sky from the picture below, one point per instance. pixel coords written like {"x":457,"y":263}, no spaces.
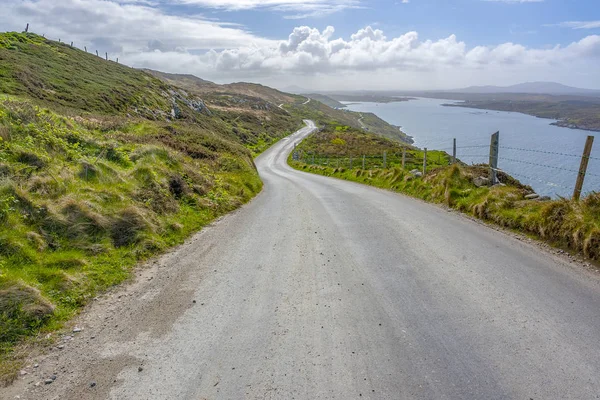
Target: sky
{"x":334,"y":44}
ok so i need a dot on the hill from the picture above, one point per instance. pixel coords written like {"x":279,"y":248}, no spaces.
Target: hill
{"x":101,"y":166}
{"x":328,"y":101}
{"x":253,"y":96}
{"x":532,"y":88}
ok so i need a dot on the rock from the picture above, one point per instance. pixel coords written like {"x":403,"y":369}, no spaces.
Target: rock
{"x":61,"y":346}
{"x":544,"y":198}
{"x":140,"y":369}
{"x":481,"y":181}
{"x":23,"y":372}
{"x":532,"y":196}
{"x":416,"y":172}
{"x":92,"y":384}
{"x":76,"y":329}
{"x":36,"y":365}
{"x":48,"y":381}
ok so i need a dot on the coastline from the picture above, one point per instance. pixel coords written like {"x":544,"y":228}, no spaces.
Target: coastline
{"x":562,"y":123}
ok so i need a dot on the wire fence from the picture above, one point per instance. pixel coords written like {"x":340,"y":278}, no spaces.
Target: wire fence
{"x":103,"y":55}
{"x":553,"y":172}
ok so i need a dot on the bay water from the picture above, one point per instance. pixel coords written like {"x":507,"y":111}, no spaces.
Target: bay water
{"x":544,"y":156}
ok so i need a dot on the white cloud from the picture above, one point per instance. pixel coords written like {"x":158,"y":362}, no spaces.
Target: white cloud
{"x":578,"y":24}
{"x":295,"y":9}
{"x":142,"y":35}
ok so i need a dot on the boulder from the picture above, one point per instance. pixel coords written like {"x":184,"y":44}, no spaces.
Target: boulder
{"x":532,"y":196}
{"x":481,"y":181}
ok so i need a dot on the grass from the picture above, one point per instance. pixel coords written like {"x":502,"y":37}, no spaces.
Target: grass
{"x":79,"y":207}
{"x":339,"y":145}
{"x":573,"y":225}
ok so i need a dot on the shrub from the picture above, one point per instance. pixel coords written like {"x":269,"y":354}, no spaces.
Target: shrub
{"x":22,"y":308}
{"x":127,"y":226}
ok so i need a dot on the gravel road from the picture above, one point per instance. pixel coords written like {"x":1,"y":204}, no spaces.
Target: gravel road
{"x":326,"y":289}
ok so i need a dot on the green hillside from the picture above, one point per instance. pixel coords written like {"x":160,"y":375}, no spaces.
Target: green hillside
{"x":102,"y":166}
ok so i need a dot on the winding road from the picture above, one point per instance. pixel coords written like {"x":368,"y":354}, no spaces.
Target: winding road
{"x":327,"y":289}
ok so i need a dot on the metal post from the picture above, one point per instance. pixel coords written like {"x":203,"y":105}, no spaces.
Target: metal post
{"x":585,"y":159}
{"x":494,"y":145}
{"x":350,"y":162}
{"x":97,"y":55}
{"x":424,"y":160}
{"x":313,"y":158}
{"x":85,"y":47}
{"x":403,"y":157}
{"x":117,"y":60}
{"x":27,"y":28}
{"x":71,"y":44}
{"x":384,"y":159}
{"x":454,"y":152}
{"x":106,"y":56}
{"x":363,"y":167}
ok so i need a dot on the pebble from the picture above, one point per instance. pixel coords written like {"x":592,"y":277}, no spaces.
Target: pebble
{"x":92,"y":384}
{"x":61,"y":346}
{"x":140,"y":369}
{"x":48,"y":381}
{"x":76,"y":329}
{"x":36,"y":365}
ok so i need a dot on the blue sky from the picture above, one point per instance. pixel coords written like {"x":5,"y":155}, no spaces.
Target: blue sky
{"x":474,"y":21}
{"x":329,"y":44}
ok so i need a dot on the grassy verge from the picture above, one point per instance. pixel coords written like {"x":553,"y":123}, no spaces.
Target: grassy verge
{"x":82,"y":202}
{"x":564,"y":223}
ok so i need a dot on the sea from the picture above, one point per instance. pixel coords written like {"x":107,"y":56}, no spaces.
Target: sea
{"x":539,"y":154}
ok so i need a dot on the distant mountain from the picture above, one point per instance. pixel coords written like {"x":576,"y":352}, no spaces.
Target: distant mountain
{"x":531,"y":87}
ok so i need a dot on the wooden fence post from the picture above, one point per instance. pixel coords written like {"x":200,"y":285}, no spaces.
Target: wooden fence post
{"x":403,"y":157}
{"x":106,"y":56}
{"x":424,"y":160}
{"x":350,"y":162}
{"x":454,"y":152}
{"x":85,"y":47}
{"x":363,"y":167}
{"x":384,"y":159}
{"x":585,"y":159}
{"x":494,"y":147}
{"x":27,"y":28}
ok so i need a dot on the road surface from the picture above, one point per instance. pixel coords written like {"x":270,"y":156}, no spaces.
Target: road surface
{"x":326,"y":289}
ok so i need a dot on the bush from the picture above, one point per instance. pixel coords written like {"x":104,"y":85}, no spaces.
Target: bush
{"x":127,"y":226}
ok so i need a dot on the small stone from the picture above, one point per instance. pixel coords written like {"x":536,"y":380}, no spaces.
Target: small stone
{"x":23,"y":372}
{"x":93,"y":384}
{"x":48,"y":381}
{"x":140,"y":369}
{"x":36,"y":365}
{"x":53,"y":377}
{"x":76,"y":330}
{"x":532,"y":196}
{"x":194,"y":301}
{"x":61,"y":346}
